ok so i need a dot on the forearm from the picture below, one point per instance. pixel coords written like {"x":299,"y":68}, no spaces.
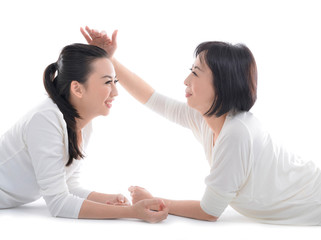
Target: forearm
{"x":99,"y":197}
{"x":188,"y":208}
{"x":96,"y":210}
{"x":136,"y":86}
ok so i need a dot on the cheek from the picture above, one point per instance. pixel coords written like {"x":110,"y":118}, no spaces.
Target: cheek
{"x":105,"y":92}
{"x":204,"y":90}
{"x":208,"y":89}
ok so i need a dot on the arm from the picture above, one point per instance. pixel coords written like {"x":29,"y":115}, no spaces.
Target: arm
{"x":188,"y":208}
{"x":75,"y":189}
{"x":140,"y":210}
{"x":136,"y":86}
{"x":171,"y":109}
{"x":112,"y":199}
{"x":44,"y":138}
{"x":183,"y":208}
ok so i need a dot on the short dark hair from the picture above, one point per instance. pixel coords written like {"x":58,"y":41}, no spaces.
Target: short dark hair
{"x":74,"y":63}
{"x":234,"y":76}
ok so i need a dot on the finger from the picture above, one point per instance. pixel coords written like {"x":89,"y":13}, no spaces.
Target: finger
{"x":162,"y":205}
{"x":88,"y":39}
{"x":91,"y":32}
{"x":127,"y":202}
{"x":120,"y":198}
{"x":120,"y":204}
{"x":158,"y":216}
{"x":114,"y":37}
{"x":96,"y":33}
{"x":158,"y":205}
{"x":88,"y":29}
{"x":131,"y":189}
{"x":153,"y":202}
{"x":105,"y":38}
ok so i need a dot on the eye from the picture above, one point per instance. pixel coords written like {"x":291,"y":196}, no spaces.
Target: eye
{"x":116,"y":81}
{"x":108,"y":82}
{"x":193,"y":72}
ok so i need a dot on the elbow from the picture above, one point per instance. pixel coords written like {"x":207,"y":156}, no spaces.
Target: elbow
{"x":208,"y":217}
{"x":211,"y":218}
{"x":61,"y":205}
{"x":53,"y":214}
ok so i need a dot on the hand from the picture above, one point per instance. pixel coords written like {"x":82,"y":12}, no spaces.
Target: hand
{"x":143,"y":210}
{"x":139,"y":193}
{"x":119,"y":200}
{"x":101,"y":39}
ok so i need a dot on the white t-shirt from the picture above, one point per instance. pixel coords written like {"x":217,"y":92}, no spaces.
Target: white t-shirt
{"x":33,"y":155}
{"x":248,"y":171}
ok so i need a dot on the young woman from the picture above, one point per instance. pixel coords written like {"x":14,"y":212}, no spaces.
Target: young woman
{"x":247,"y":170}
{"x":41,"y":154}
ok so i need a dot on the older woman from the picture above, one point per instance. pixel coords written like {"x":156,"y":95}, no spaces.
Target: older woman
{"x":248,"y":171}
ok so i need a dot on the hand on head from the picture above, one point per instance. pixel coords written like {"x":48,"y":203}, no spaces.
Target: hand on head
{"x":101,"y":39}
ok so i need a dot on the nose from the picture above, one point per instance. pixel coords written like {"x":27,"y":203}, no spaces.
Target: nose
{"x":114,"y":92}
{"x":186,"y":81}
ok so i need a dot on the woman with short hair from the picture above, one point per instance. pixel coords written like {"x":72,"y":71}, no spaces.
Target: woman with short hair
{"x":248,"y":171}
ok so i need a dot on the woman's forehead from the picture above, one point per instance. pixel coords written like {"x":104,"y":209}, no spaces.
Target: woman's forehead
{"x":200,"y":61}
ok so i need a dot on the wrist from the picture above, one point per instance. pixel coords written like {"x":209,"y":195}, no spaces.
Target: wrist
{"x":130,"y":212}
{"x":168,"y":204}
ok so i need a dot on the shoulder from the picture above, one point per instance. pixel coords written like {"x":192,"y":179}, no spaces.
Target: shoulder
{"x":46,"y":113}
{"x":238,"y":125}
{"x":237,"y":131}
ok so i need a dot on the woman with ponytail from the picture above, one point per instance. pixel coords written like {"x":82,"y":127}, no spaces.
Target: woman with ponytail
{"x":40,"y":156}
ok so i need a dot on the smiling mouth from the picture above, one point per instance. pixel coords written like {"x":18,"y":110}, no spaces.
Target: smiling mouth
{"x":109,"y":103}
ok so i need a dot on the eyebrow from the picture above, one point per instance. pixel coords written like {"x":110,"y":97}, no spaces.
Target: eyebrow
{"x":197,"y":68}
{"x":108,"y":76}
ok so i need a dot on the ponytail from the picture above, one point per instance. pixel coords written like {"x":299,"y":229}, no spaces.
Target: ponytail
{"x":69,"y":112}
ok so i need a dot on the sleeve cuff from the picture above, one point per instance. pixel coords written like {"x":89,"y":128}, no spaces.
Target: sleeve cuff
{"x":214,"y":203}
{"x":80,"y":192}
{"x":151,"y":100}
{"x":71,"y":207}
{"x":64,"y":205}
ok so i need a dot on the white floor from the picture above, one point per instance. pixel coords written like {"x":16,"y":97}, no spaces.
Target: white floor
{"x":33,"y":221}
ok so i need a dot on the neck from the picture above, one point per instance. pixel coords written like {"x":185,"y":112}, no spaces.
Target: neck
{"x":81,"y":123}
{"x":215,"y":123}
{"x":85,"y":118}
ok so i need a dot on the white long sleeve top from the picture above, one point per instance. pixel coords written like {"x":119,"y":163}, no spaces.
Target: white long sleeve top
{"x":248,"y":171}
{"x":33,"y":155}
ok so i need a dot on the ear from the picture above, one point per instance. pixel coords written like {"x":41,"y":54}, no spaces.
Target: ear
{"x":77,"y":89}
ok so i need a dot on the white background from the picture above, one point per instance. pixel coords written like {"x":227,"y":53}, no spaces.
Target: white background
{"x":134,"y":146}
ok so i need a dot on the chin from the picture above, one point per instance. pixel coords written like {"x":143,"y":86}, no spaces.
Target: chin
{"x":190,"y":104}
{"x":195,"y":107}
{"x":106,"y":113}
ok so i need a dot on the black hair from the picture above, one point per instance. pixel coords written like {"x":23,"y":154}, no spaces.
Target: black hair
{"x":74,"y":63}
{"x":234,"y":76}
